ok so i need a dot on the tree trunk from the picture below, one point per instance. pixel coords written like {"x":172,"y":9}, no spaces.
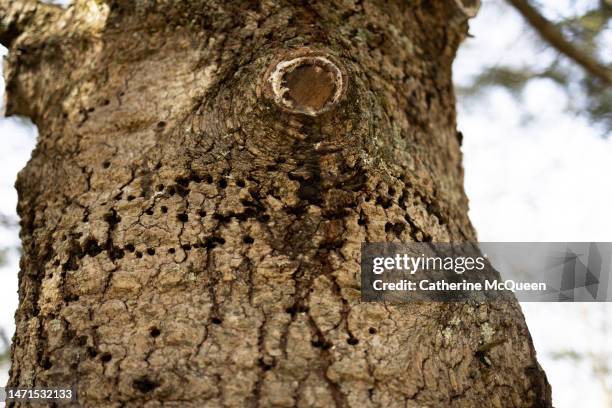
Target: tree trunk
{"x":205,"y":174}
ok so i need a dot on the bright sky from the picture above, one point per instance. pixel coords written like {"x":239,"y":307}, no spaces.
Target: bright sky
{"x":533,"y":173}
{"x":536,"y":173}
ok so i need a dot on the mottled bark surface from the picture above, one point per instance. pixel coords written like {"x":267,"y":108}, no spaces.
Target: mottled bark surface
{"x":191,"y":241}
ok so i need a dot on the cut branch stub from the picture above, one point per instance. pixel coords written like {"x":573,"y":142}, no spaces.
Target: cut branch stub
{"x":307,"y":84}
{"x":469,"y":8}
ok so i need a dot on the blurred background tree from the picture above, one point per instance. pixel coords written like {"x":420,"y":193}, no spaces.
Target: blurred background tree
{"x":579,"y":38}
{"x":4,"y":346}
{"x":9,"y":223}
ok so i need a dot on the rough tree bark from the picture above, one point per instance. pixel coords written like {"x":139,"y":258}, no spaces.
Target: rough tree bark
{"x":192,"y":228}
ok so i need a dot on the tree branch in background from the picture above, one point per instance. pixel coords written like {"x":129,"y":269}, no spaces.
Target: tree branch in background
{"x":5,"y":346}
{"x":555,"y":38}
{"x":4,"y":339}
{"x":8,"y":222}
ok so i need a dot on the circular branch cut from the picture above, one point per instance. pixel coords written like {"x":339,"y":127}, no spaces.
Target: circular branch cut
{"x":468,"y":7}
{"x":310,"y":84}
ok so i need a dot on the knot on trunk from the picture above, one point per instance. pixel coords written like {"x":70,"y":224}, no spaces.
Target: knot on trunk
{"x":308,"y":84}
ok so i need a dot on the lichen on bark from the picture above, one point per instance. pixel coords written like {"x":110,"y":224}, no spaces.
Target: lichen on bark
{"x":188,"y":242}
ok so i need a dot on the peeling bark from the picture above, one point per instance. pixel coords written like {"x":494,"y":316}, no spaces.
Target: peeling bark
{"x":191,"y":240}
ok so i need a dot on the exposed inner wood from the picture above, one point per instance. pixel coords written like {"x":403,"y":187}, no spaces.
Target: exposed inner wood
{"x":309,"y":86}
